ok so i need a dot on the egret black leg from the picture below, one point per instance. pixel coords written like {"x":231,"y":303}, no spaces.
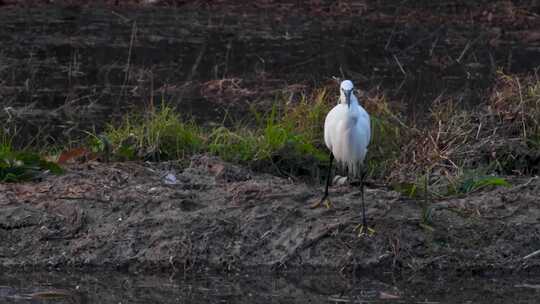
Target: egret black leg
{"x":327,"y":183}
{"x":328,"y":176}
{"x":363,"y":229}
{"x":362,"y":176}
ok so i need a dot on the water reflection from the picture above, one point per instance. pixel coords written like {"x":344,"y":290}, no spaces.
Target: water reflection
{"x":256,"y":288}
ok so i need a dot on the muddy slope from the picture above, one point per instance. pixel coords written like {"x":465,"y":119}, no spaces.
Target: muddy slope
{"x":222,"y":217}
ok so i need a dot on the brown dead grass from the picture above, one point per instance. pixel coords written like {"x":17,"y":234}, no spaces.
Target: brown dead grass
{"x":500,"y":136}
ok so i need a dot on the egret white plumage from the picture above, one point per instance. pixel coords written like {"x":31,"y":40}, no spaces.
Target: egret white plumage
{"x":347,"y":132}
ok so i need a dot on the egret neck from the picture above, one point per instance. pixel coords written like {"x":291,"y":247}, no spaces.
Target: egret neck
{"x":347,"y":97}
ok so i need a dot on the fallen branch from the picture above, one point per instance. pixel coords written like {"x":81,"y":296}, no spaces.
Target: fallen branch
{"x":530,"y":255}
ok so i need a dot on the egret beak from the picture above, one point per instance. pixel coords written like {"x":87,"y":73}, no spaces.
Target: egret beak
{"x":348,"y":97}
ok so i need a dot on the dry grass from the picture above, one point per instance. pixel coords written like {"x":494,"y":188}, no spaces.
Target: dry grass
{"x":499,"y":137}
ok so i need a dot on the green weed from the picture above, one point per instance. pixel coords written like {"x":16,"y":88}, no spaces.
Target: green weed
{"x":276,"y":144}
{"x":447,"y":186}
{"x":473,"y":181}
{"x":17,"y":166}
{"x":286,"y":140}
{"x":239,"y":147}
{"x":160,"y":134}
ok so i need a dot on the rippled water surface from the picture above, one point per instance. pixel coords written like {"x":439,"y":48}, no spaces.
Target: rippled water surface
{"x":256,"y":288}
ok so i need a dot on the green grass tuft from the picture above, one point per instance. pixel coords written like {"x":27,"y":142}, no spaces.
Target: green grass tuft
{"x":286,"y":140}
{"x":474,"y":181}
{"x":18,"y":166}
{"x":158,"y":135}
{"x":279,"y":143}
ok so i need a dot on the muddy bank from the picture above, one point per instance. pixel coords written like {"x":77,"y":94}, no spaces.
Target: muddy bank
{"x":213,"y":215}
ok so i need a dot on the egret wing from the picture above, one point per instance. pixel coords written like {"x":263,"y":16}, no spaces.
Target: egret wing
{"x":330,"y":124}
{"x":364,"y":123}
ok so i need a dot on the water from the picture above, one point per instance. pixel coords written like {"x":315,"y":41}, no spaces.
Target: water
{"x":66,"y":70}
{"x":259,"y":288}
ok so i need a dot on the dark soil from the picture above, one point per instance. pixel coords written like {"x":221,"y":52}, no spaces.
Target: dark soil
{"x":131,"y":216}
{"x":75,"y":65}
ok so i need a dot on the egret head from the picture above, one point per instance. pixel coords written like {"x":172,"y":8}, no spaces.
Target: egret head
{"x":346,"y":89}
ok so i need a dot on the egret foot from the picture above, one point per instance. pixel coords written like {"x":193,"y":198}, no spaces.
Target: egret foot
{"x":328,"y":204}
{"x":324,"y":201}
{"x":364,"y":230}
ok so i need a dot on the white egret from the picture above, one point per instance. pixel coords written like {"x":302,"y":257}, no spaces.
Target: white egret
{"x":347,"y":133}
